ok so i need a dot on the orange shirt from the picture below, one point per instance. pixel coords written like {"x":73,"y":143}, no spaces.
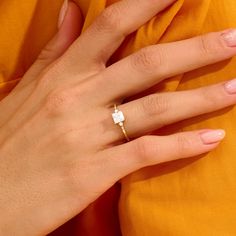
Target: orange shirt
{"x":195,"y":196}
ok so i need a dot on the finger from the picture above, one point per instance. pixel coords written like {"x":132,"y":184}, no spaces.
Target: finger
{"x":155,"y":111}
{"x":151,"y":150}
{"x":153,"y":64}
{"x":69,"y":31}
{"x":108,"y":31}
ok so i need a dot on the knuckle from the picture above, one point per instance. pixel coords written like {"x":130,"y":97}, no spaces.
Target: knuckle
{"x":147,"y":59}
{"x":58,"y":101}
{"x":108,"y":20}
{"x":183,"y":144}
{"x":155,"y":104}
{"x":209,"y":97}
{"x":210,"y":44}
{"x":204,"y":44}
{"x":69,"y":139}
{"x":49,"y":79}
{"x":145,"y":150}
{"x":46,"y":54}
{"x":44,"y":82}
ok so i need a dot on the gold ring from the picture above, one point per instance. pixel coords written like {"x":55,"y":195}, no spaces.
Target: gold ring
{"x":119,"y":118}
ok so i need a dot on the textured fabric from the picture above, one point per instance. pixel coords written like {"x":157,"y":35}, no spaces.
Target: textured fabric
{"x":194,"y":196}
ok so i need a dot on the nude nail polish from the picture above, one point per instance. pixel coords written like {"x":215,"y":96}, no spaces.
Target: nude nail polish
{"x":62,"y":13}
{"x":230,"y":37}
{"x":212,"y":136}
{"x":230,"y":86}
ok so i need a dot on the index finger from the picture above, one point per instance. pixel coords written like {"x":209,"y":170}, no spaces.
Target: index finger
{"x":111,"y":27}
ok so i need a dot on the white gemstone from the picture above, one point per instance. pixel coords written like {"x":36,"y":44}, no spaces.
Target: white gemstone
{"x":118,"y":117}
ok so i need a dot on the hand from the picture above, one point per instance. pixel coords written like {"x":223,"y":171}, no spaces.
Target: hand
{"x":60,"y":149}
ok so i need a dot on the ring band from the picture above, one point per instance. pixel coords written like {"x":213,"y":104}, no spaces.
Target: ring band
{"x":119,"y":118}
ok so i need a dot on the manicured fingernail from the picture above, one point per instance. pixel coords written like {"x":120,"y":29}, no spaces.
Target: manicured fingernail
{"x":230,"y":37}
{"x":213,"y":136}
{"x":230,"y":86}
{"x":62,"y":13}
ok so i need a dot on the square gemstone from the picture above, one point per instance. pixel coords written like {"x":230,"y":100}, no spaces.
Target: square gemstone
{"x":118,"y":117}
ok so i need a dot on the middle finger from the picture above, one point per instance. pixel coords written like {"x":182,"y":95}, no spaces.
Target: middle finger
{"x":153,"y":64}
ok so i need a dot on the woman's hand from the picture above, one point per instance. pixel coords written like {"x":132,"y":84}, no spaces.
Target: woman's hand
{"x":60,"y":148}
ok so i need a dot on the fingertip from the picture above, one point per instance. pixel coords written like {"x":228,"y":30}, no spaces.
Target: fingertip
{"x":212,"y":136}
{"x":62,"y":13}
{"x":71,"y":23}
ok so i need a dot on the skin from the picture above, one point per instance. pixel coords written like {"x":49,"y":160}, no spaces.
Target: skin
{"x":59,"y":147}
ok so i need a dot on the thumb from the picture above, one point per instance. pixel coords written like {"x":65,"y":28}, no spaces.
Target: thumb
{"x":69,"y":29}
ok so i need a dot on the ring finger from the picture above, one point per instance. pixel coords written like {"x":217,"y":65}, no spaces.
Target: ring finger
{"x":157,"y":110}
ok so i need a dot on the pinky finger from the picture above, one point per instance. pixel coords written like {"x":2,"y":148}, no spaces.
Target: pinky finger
{"x":151,"y":150}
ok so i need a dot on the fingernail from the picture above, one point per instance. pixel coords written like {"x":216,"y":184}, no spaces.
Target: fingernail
{"x":230,"y":37}
{"x":213,"y":136}
{"x":230,"y":86}
{"x":62,"y":13}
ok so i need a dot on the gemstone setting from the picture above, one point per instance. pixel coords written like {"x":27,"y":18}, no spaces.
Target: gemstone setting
{"x":118,"y":117}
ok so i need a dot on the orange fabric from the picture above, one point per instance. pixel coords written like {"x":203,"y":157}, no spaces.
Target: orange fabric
{"x":194,"y":196}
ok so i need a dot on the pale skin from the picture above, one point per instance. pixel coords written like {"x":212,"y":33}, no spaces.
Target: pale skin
{"x":59,"y":147}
